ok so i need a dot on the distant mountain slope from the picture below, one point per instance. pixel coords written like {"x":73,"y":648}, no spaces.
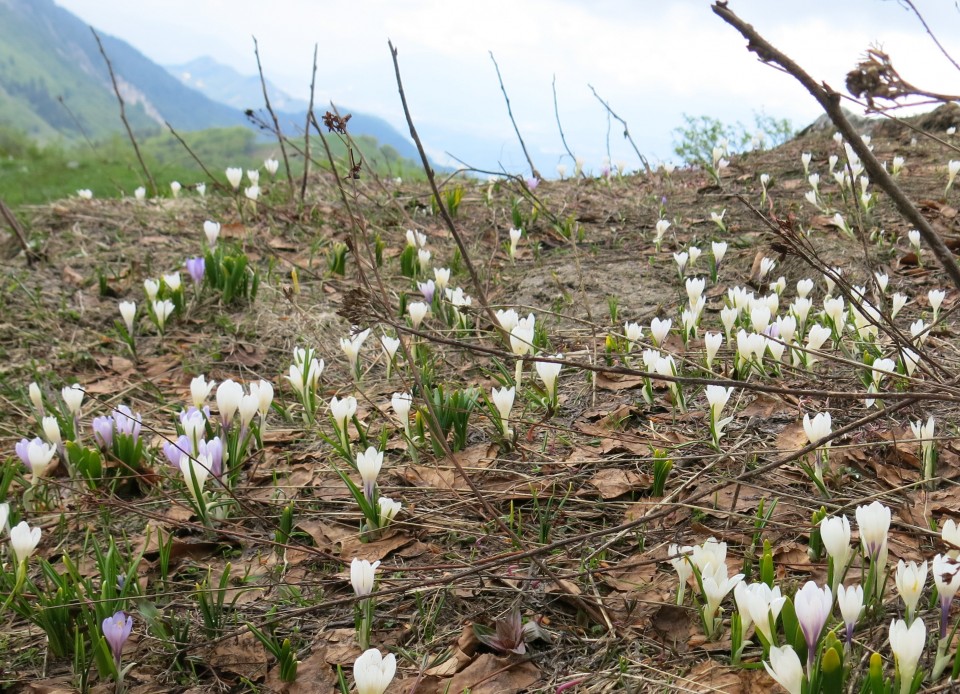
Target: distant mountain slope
{"x":47,"y":53}
{"x":224,"y":84}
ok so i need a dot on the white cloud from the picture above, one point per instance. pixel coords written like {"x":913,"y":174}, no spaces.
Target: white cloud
{"x":652,"y":61}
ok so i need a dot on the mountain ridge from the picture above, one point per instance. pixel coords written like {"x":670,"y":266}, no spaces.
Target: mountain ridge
{"x":55,"y":85}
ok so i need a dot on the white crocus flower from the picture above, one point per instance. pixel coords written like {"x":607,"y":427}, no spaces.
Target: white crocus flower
{"x":234,"y":176}
{"x":910,"y":579}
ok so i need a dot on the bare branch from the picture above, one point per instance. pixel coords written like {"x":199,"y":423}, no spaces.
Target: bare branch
{"x":14,"y":224}
{"x":523,"y":146}
{"x":474,"y":276}
{"x":829,"y":100}
{"x":276,"y":123}
{"x":123,"y":115}
{"x":626,"y":130}
{"x":306,"y":129}
{"x":556,"y":112}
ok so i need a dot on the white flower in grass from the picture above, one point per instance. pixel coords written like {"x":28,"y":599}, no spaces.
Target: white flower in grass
{"x":418,"y":311}
{"x":401,"y":404}
{"x":373,"y":672}
{"x":910,"y":579}
{"x":719,"y":249}
{"x":712,"y":343}
{"x":659,"y":329}
{"x":271,"y":165}
{"x":950,"y":534}
{"x":835,"y":534}
{"x":694,"y":287}
{"x":897,"y":302}
{"x":785,"y":667}
{"x":369,"y":463}
{"x":128,"y":311}
{"x":196,"y":470}
{"x":363,"y":576}
{"x":681,"y":259}
{"x":229,"y":395}
{"x":388,"y":509}
{"x":850,"y":602}
{"x":161,"y":311}
{"x":234,"y":176}
{"x":936,"y":297}
{"x":548,"y":372}
{"x":73,"y":398}
{"x":150,"y":288}
{"x":441,"y":276}
{"x":343,"y":411}
{"x":212,"y":231}
{"x":874,"y":523}
{"x":907,"y":643}
{"x":252,"y":192}
{"x":812,"y":605}
{"x":24,"y":541}
{"x":503,"y":401}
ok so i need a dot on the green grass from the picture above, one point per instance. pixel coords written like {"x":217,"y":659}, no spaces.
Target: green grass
{"x":35,"y":174}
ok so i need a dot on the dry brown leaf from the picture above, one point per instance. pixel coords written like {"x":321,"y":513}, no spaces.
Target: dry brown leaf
{"x":714,"y":677}
{"x":490,"y":674}
{"x":352,"y":548}
{"x":614,"y":482}
{"x":618,"y":382}
{"x":243,"y":655}
{"x":631,"y":574}
{"x":672,"y":623}
{"x":791,"y":438}
{"x":765,"y":405}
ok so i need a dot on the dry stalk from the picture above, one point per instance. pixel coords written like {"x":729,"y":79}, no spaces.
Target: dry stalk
{"x":277,"y":130}
{"x":123,"y":114}
{"x":626,"y":130}
{"x":306,"y":130}
{"x":523,"y":146}
{"x":556,"y":112}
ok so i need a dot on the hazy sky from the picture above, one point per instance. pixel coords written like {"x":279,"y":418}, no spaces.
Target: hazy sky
{"x":653,"y":60}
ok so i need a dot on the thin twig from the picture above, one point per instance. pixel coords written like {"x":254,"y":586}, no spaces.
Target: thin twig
{"x":626,"y":130}
{"x":123,"y":115}
{"x":829,"y":100}
{"x":76,"y":122}
{"x":930,"y":33}
{"x":276,"y":123}
{"x":193,"y":155}
{"x":306,"y":130}
{"x":14,"y":224}
{"x":556,"y":112}
{"x":523,"y":146}
{"x":474,"y":276}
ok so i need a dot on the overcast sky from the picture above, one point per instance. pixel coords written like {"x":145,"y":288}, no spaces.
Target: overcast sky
{"x":652,"y":60}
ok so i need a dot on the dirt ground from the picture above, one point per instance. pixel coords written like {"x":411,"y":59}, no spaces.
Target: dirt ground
{"x":602,"y":594}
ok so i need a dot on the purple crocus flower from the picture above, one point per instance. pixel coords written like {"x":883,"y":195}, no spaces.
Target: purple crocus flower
{"x":23,"y":451}
{"x":532,"y":183}
{"x":428,"y":289}
{"x":103,"y":432}
{"x":214,"y":449}
{"x":195,"y":268}
{"x":116,"y":630}
{"x":174,"y":450}
{"x":127,"y":422}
